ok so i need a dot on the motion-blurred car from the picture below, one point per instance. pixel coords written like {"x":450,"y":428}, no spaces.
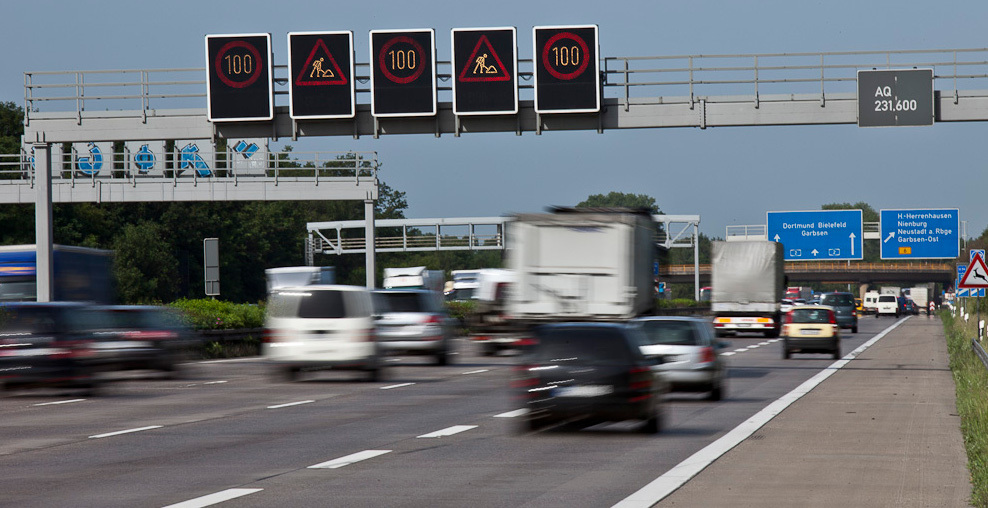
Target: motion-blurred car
{"x":593,"y":372}
{"x":413,"y":321}
{"x":689,"y":352}
{"x":129,"y":337}
{"x":321,"y":327}
{"x":845,"y":308}
{"x":47,"y":344}
{"x":811,"y":329}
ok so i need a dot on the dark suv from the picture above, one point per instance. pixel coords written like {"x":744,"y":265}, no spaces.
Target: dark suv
{"x":845,"y":308}
{"x":591,"y":371}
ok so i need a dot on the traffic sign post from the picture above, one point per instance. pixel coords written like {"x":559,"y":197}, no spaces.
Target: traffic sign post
{"x":485,"y":70}
{"x":975,"y":278}
{"x":239,"y":85}
{"x":321,"y":71}
{"x":567,"y":70}
{"x":920,"y":234}
{"x":403,"y":73}
{"x":817,"y":234}
{"x":895,"y":97}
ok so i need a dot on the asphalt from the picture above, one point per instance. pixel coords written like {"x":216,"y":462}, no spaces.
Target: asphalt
{"x":883,"y":430}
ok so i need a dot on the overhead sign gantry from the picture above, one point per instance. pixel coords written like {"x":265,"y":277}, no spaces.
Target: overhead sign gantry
{"x":485,"y":70}
{"x":567,"y":72}
{"x":321,"y":70}
{"x":403,"y":72}
{"x":899,"y":97}
{"x":239,"y":77}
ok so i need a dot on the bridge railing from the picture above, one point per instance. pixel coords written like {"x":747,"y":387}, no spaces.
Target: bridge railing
{"x":832,"y":266}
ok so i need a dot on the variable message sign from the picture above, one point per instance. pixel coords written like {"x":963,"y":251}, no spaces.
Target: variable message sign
{"x":403,"y":73}
{"x":567,"y":71}
{"x":485,"y":70}
{"x":239,"y":77}
{"x":818,"y":234}
{"x":920,"y":234}
{"x":321,"y":71}
{"x":895,"y":98}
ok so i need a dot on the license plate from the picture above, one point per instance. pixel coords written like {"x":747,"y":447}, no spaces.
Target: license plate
{"x":811,"y":331}
{"x":583,"y":391}
{"x":743,"y":325}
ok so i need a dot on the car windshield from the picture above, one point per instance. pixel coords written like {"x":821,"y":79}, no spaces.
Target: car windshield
{"x":838,"y":300}
{"x":307,"y":304}
{"x":886,"y":298}
{"x":810,"y":315}
{"x":582,"y":346}
{"x":679,"y":333}
{"x":400,"y":302}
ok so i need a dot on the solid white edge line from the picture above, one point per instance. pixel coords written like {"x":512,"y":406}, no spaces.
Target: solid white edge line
{"x":279,"y":406}
{"x":128,"y":431}
{"x":476,"y":371}
{"x":212,"y":499}
{"x":396,"y":386}
{"x":681,"y":473}
{"x":58,"y":402}
{"x":512,"y":414}
{"x":448,"y":431}
{"x":349,"y":459}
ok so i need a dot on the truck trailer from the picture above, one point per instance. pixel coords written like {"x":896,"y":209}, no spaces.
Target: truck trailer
{"x":80,"y":274}
{"x":748,"y":281}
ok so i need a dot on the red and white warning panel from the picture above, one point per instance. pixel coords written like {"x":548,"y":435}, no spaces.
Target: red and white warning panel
{"x":976,"y":275}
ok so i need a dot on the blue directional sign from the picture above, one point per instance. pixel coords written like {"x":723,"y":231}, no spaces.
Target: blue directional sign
{"x":817,"y":234}
{"x":920,"y":234}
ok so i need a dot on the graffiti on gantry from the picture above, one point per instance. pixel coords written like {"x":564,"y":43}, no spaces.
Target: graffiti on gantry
{"x":90,"y":165}
{"x":144,"y":160}
{"x":245,"y":149}
{"x":189,"y":158}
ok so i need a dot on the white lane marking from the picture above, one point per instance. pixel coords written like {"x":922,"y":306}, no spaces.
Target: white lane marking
{"x":349,"y":459}
{"x":212,"y":499}
{"x":754,"y":346}
{"x":681,"y":473}
{"x":128,"y":431}
{"x":476,"y":371}
{"x":232,"y":360}
{"x":742,"y":350}
{"x":401,"y":385}
{"x":448,"y":431}
{"x":279,"y":406}
{"x":215,"y":382}
{"x":767,"y":342}
{"x":58,"y":402}
{"x":729,"y":353}
{"x":512,"y":414}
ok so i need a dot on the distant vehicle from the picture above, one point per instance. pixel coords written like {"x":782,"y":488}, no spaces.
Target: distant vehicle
{"x":690,"y":353}
{"x":414,"y":277}
{"x":141,"y":337}
{"x":888,"y":305}
{"x":413,"y":322}
{"x":786,"y":305}
{"x":920,"y":295}
{"x":590,"y":371}
{"x":463,"y":286}
{"x":811,"y":329}
{"x":321,"y":327}
{"x":748,"y":284}
{"x":859,"y":305}
{"x":844,"y":307}
{"x":803,"y":292}
{"x":907,"y":306}
{"x":79,"y":274}
{"x":871,"y":302}
{"x":294,"y":276}
{"x":47,"y":344}
{"x":705,"y":293}
{"x":489,"y":323}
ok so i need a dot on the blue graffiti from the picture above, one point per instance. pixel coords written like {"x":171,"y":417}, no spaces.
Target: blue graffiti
{"x":190,"y":159}
{"x":246,"y":150}
{"x":91,"y":165}
{"x":144,"y":159}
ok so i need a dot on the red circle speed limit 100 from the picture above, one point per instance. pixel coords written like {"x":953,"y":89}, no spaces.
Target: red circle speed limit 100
{"x":402,"y":59}
{"x":238,"y":64}
{"x":565,"y":56}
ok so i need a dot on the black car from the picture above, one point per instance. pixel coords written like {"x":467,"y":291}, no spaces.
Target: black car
{"x":589,"y":372}
{"x":47,"y":344}
{"x":141,"y":337}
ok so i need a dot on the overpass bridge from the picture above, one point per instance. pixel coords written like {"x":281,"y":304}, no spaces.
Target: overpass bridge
{"x":842,"y":272}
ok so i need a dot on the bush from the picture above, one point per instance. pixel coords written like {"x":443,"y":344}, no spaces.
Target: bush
{"x":971,"y":381}
{"x":208,"y":314}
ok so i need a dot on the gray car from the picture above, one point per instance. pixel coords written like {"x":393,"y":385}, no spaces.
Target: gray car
{"x":845,"y":308}
{"x":689,"y":351}
{"x":413,"y":321}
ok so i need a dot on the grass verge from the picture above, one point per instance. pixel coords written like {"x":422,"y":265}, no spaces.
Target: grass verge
{"x":971,"y":380}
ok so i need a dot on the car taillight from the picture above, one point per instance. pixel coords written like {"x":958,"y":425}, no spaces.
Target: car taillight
{"x":525,"y":341}
{"x":707,"y":355}
{"x":268,"y":336}
{"x":641,"y":378}
{"x":788,"y":318}
{"x":433,"y":319}
{"x":833,"y":318}
{"x":74,"y":349}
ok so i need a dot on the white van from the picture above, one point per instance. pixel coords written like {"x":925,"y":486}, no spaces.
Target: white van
{"x":887,"y":305}
{"x":870,"y":304}
{"x":321,"y":327}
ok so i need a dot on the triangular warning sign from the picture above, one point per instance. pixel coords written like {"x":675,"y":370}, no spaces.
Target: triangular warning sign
{"x":976,"y":276}
{"x":320,"y":68}
{"x":484,"y":66}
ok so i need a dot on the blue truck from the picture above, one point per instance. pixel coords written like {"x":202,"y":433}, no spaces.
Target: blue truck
{"x":80,"y":274}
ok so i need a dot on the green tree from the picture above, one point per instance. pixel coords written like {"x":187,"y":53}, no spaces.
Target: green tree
{"x":11,"y":127}
{"x":146,"y":270}
{"x":623,"y":199}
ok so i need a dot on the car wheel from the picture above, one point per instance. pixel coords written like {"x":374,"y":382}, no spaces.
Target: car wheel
{"x":375,"y":374}
{"x":785,"y":352}
{"x":717,"y":391}
{"x":288,"y":374}
{"x":653,"y":424}
{"x":854,"y":329}
{"x":837,"y":353}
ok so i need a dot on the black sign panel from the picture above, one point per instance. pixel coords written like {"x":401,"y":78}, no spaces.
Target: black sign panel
{"x":567,"y":73}
{"x":895,"y":98}
{"x":403,"y":73}
{"x":238,"y":77}
{"x":321,"y":70}
{"x":485,"y":70}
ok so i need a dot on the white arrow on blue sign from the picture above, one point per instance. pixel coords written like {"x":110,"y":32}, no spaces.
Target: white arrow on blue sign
{"x":920,"y":234}
{"x":817,"y":235}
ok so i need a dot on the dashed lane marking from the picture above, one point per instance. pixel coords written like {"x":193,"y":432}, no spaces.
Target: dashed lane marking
{"x":449,"y":431}
{"x":279,"y":406}
{"x":401,"y":385}
{"x":349,"y":459}
{"x":512,"y":414}
{"x":57,"y":402}
{"x":212,"y":499}
{"x":128,"y":431}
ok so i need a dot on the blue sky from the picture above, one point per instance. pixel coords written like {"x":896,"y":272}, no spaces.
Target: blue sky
{"x":726,"y":175}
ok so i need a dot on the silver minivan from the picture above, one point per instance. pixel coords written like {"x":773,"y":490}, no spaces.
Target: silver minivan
{"x":321,"y":327}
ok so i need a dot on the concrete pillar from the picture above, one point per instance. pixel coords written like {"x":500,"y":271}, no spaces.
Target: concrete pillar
{"x":369,"y":241}
{"x":43,"y":222}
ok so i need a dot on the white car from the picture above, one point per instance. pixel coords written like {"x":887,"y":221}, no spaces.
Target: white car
{"x":888,"y":305}
{"x":321,"y":327}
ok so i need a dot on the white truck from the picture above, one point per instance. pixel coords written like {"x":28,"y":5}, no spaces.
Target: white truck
{"x":748,"y":281}
{"x":581,"y":265}
{"x":293,"y":276}
{"x":463,"y":286}
{"x":921,"y":297}
{"x":417,"y":277}
{"x":489,"y":326}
